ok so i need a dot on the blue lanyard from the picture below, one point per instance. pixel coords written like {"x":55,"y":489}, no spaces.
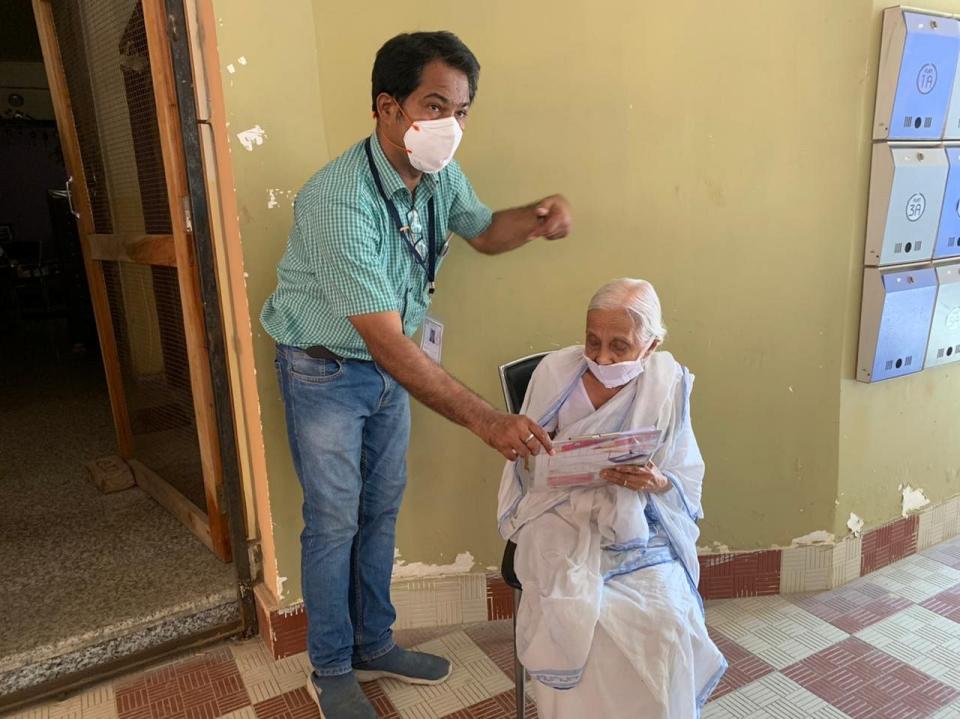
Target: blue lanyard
{"x":431,"y":264}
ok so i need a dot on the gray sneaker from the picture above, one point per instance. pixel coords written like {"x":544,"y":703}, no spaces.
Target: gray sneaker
{"x":340,"y":697}
{"x":404,"y":666}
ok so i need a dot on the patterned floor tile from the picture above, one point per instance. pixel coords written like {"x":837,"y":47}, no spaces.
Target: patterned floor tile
{"x":295,"y":704}
{"x":923,"y":639}
{"x":790,"y":657}
{"x":888,"y":544}
{"x":852,"y":607}
{"x":385,"y":709}
{"x":947,"y":553}
{"x":806,"y":569}
{"x":866,"y":683}
{"x":99,"y":702}
{"x":475,"y":678}
{"x":265,"y":678}
{"x":749,"y":574}
{"x":66,"y":709}
{"x":773,"y":629}
{"x":36,"y":712}
{"x":946,"y":604}
{"x":496,"y":641}
{"x":846,"y":560}
{"x":743,"y":668}
{"x":916,"y":578}
{"x":772,"y":697}
{"x":502,"y":706}
{"x":939,"y":524}
{"x":245,"y":713}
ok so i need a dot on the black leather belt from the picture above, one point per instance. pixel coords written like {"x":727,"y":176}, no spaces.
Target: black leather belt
{"x":321,"y":352}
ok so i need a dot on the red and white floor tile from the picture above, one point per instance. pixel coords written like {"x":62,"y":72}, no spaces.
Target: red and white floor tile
{"x":886,"y":646}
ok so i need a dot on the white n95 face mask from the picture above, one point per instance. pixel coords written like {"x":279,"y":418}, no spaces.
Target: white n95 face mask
{"x":431,"y":143}
{"x":615,"y":375}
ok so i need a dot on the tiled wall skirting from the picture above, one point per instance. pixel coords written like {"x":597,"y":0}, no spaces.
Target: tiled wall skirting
{"x":475,"y":597}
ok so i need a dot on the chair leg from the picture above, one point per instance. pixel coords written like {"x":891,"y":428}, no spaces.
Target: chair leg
{"x":519,"y":673}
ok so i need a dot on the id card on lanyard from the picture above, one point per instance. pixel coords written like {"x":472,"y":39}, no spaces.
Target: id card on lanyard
{"x":428,"y":263}
{"x":431,"y":340}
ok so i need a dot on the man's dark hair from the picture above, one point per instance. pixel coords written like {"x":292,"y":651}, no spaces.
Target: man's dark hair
{"x":400,"y":62}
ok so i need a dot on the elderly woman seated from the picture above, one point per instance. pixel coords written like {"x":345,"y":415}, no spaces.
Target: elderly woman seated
{"x":610,"y":623}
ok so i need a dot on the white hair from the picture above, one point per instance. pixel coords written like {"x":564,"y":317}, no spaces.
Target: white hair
{"x":639,"y":299}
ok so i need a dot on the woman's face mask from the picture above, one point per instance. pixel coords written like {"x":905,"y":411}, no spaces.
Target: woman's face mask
{"x":612,"y":351}
{"x":615,"y":375}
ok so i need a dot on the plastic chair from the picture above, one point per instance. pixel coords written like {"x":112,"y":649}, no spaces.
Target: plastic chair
{"x":514,"y":378}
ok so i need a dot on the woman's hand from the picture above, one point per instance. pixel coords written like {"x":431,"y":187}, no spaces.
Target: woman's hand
{"x":646,"y":478}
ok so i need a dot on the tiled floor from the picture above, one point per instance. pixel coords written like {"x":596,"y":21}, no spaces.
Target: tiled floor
{"x":886,"y":646}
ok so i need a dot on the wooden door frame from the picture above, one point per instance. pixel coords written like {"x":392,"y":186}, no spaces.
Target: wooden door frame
{"x":178,"y":196}
{"x":83,"y":211}
{"x":176,"y":250}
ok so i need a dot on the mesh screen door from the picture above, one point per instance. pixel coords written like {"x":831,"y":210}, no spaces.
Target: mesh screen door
{"x":108,"y":62}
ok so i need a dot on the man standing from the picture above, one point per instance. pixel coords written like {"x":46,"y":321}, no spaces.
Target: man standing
{"x":354,"y":284}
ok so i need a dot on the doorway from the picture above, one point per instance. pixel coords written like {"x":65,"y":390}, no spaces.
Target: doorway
{"x":104,"y":372}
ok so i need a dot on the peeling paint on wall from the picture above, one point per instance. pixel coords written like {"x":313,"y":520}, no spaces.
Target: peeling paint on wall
{"x":855,"y":524}
{"x":401,"y":570}
{"x":913,"y":499}
{"x":715,"y":548}
{"x":821,"y":536}
{"x":275,"y":193}
{"x":252,"y":137}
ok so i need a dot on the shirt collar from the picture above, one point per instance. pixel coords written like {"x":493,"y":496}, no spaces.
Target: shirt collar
{"x":392,"y":182}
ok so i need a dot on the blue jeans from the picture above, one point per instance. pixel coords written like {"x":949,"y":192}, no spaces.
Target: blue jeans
{"x":349,"y":425}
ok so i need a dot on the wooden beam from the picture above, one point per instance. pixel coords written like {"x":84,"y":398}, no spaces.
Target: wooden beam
{"x":171,"y":500}
{"x":66,"y":126}
{"x":171,"y":143}
{"x":135,"y":248}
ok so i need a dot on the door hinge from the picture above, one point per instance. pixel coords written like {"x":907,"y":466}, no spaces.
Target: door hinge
{"x":187,"y":215}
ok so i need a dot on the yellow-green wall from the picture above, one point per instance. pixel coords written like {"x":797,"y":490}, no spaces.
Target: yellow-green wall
{"x":718,"y":149}
{"x":278,"y":90}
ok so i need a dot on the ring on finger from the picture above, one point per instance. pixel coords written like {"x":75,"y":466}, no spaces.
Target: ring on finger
{"x":529,"y":437}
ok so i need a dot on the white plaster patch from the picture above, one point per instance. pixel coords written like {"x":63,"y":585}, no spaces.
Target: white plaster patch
{"x":231,"y":69}
{"x":402,"y":570}
{"x":913,"y":499}
{"x":252,"y":137}
{"x":280,"y":582}
{"x":855,"y":524}
{"x":242,"y":60}
{"x":715,"y":548}
{"x":821,"y":536}
{"x":275,"y":194}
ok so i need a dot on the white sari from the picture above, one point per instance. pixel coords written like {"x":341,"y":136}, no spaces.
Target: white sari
{"x":608,"y":624}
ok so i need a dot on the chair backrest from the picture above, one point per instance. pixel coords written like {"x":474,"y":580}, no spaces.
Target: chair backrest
{"x":514,"y":378}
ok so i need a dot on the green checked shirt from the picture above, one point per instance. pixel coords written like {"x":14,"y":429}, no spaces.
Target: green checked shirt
{"x":345,"y":256}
